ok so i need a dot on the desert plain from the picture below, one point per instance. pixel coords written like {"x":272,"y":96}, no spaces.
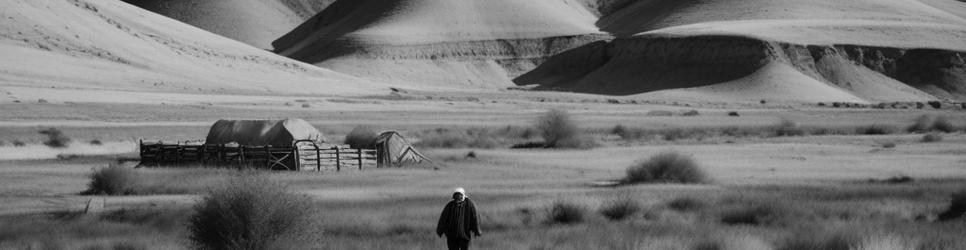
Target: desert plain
{"x":804,"y":124}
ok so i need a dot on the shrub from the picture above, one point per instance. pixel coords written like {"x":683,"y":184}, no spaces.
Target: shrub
{"x":620,"y":209}
{"x":733,"y":113}
{"x":667,"y":167}
{"x":943,"y":124}
{"x":789,"y":128}
{"x":691,"y":113}
{"x":562,"y":212}
{"x":685,"y":204}
{"x":932,"y":137}
{"x":361,"y":137}
{"x":250,"y":212}
{"x":96,"y":142}
{"x":19,"y":143}
{"x":55,"y":138}
{"x":957,"y":207}
{"x":112,"y":180}
{"x":930,"y":123}
{"x":559,"y":131}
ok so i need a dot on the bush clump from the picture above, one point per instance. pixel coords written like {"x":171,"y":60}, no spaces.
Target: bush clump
{"x":250,"y":212}
{"x":667,"y":167}
{"x":562,"y":212}
{"x":931,"y":123}
{"x":361,"y":137}
{"x":113,"y":180}
{"x":789,"y":128}
{"x":559,"y":131}
{"x":55,"y":138}
{"x":620,"y":209}
{"x":932,"y":137}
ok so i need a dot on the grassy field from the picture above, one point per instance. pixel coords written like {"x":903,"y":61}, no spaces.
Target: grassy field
{"x":811,"y":191}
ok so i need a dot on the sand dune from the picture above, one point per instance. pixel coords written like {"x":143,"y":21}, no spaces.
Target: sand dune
{"x":489,"y":40}
{"x":890,"y":50}
{"x":109,"y":45}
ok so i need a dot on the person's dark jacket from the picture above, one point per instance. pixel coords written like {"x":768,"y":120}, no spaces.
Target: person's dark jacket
{"x":459,"y":219}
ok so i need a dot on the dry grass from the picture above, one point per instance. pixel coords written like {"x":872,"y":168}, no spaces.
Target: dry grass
{"x":122,"y":180}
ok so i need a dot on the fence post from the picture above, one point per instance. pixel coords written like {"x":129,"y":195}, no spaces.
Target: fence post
{"x":338,"y":160}
{"x":268,"y":157}
{"x":359,"y":154}
{"x":318,"y":159}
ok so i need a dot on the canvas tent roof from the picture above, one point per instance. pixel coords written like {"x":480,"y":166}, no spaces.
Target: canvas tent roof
{"x":276,"y":133}
{"x":393,"y":150}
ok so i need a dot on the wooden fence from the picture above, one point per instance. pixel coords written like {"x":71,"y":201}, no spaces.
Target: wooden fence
{"x":302,"y":156}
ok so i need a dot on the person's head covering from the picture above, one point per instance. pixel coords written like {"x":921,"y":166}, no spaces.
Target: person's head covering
{"x":460,"y":191}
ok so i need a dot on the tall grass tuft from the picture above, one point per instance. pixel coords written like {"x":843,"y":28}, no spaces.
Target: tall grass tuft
{"x":55,"y":138}
{"x":620,"y":209}
{"x":667,"y":167}
{"x":251,"y":212}
{"x":361,"y":137}
{"x":113,"y":180}
{"x":562,"y":212}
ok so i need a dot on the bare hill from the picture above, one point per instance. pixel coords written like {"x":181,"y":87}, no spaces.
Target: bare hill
{"x":255,"y":22}
{"x":78,"y":46}
{"x":440,"y":43}
{"x":888,"y":50}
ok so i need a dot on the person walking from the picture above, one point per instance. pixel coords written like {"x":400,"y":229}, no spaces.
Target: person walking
{"x":458,"y":220}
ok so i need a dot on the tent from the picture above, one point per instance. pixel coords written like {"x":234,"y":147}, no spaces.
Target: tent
{"x":275,"y":133}
{"x":392,"y":150}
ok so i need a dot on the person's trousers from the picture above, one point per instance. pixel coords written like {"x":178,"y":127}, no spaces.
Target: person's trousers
{"x":457,"y":243}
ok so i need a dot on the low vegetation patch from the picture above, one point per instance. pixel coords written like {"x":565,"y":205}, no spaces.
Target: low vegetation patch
{"x":251,"y":212}
{"x":932,"y":137}
{"x":620,"y":209}
{"x":123,"y":180}
{"x":55,"y":138}
{"x":686,"y":204}
{"x":562,"y":212}
{"x":789,"y":128}
{"x":666,"y":167}
{"x":932,"y":123}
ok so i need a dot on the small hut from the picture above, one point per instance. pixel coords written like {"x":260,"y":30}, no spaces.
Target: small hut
{"x":275,"y":133}
{"x":392,"y":150}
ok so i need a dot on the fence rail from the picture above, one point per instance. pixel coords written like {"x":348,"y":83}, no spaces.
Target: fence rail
{"x":302,"y":156}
